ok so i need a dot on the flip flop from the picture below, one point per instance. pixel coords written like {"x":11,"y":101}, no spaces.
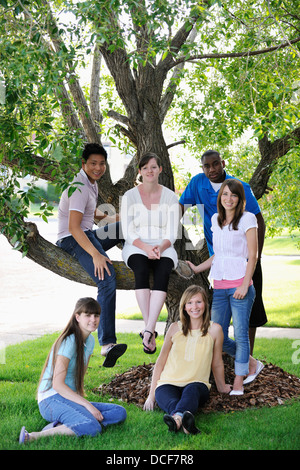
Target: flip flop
{"x":24,"y":436}
{"x":142,"y":334}
{"x":171,"y":423}
{"x":250,"y":378}
{"x":147,"y":350}
{"x":188,"y":423}
{"x":116,"y":351}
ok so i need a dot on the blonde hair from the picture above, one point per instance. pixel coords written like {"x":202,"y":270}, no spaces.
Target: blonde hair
{"x":190,"y":292}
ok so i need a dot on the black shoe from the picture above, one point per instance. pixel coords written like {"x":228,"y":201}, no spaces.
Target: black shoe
{"x":171,"y":423}
{"x":113,"y":354}
{"x":147,"y":350}
{"x":188,"y":422}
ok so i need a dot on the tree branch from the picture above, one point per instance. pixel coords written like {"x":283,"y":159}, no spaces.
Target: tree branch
{"x":236,"y":54}
{"x":270,"y":153}
{"x":118,"y":117}
{"x":95,"y":90}
{"x":180,"y":142}
{"x":73,"y":83}
{"x":58,"y":261}
{"x":41,"y":168}
{"x":171,"y":88}
{"x":67,"y":109}
{"x":168,"y":62}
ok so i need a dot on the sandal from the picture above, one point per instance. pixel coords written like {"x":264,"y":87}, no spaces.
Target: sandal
{"x":142,"y":334}
{"x":146,"y":349}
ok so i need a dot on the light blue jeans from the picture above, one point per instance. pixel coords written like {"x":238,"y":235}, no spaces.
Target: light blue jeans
{"x":77,"y":417}
{"x":224,"y":307}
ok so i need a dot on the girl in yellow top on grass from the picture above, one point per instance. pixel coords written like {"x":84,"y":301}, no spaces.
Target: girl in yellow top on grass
{"x":192,"y":348}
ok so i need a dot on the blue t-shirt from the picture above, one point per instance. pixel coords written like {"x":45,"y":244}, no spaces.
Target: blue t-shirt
{"x":67,"y":349}
{"x":200,"y":192}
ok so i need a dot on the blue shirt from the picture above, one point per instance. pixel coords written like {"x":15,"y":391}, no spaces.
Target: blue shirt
{"x":200,"y":192}
{"x":67,"y":349}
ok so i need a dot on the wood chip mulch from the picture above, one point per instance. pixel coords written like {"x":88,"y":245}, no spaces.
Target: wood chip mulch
{"x":272,"y":387}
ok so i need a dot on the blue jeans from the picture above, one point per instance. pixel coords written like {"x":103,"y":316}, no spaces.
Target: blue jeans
{"x":77,"y":417}
{"x":225,"y":306}
{"x":103,"y":239}
{"x":176,"y":400}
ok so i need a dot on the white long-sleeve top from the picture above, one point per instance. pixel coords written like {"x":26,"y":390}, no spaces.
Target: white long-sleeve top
{"x":149,"y":225}
{"x":230,"y":248}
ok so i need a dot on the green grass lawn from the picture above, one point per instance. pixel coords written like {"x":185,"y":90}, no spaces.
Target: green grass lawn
{"x":283,"y":245}
{"x":257,"y":429}
{"x":281,"y":292}
{"x":265,"y":428}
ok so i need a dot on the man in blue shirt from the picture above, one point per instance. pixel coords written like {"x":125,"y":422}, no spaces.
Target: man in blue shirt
{"x":202,"y":191}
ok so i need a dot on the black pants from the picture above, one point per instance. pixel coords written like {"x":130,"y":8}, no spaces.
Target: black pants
{"x":258,"y":315}
{"x":141,"y":267}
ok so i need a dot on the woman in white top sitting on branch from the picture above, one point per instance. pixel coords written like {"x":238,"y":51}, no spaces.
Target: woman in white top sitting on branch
{"x":232,"y":266}
{"x":150,"y":221}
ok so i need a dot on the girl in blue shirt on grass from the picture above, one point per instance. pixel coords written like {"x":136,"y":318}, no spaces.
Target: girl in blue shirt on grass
{"x":60,"y":391}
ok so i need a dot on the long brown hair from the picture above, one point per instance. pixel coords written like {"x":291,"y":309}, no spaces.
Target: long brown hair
{"x":190,"y":292}
{"x":83,"y":305}
{"x":237,"y":188}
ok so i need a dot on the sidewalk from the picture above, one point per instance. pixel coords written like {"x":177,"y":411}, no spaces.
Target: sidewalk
{"x":14,"y":335}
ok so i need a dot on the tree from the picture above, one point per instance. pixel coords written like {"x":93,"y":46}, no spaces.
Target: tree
{"x":238,"y":105}
{"x":147,"y":47}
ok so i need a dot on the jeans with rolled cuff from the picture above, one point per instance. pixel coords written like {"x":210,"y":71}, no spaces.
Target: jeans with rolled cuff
{"x":224,"y":307}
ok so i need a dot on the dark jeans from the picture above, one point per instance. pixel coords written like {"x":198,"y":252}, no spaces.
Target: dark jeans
{"x":106,"y":295}
{"x":176,"y":400}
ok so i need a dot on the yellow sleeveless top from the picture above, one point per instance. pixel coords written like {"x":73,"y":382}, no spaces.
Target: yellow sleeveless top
{"x":189,"y":359}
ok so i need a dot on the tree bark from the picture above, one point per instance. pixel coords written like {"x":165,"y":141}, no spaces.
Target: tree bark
{"x":270,"y":152}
